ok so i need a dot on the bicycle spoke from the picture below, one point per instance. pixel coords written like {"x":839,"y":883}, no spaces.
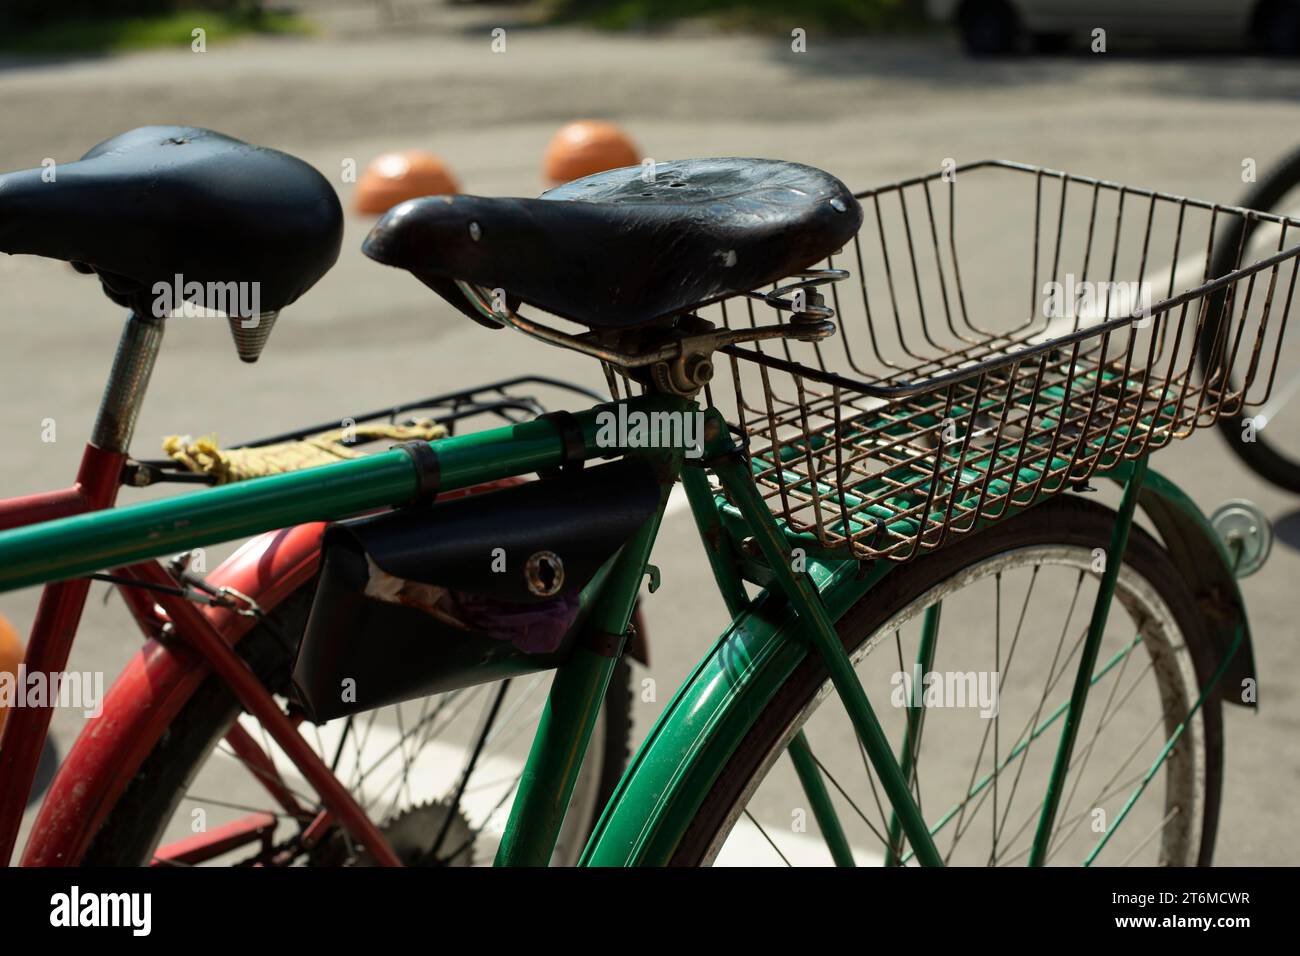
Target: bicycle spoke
{"x":430,"y":734}
{"x":1029,"y":726}
{"x":997,"y":720}
{"x":1102,"y":722}
{"x":828,"y":821}
{"x":1116,"y":789}
{"x":405,"y":781}
{"x":871,"y":781}
{"x":470,"y":763}
{"x":1018,"y":752}
{"x":359,"y":748}
{"x":265,"y":776}
{"x":496,"y":741}
{"x":1083,"y":677}
{"x":910,"y":760}
{"x":770,"y":841}
{"x":1158,"y":829}
{"x":444,"y":701}
{"x":1106,"y":787}
{"x":375,"y":764}
{"x":1035,"y":810}
{"x":856,"y":809}
{"x":1047,"y":689}
{"x":229,"y":805}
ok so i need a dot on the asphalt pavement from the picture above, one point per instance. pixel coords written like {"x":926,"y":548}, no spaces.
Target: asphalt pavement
{"x":870,"y":111}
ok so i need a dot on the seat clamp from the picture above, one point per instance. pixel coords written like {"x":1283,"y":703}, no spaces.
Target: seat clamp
{"x":574,"y":446}
{"x":427,"y":469}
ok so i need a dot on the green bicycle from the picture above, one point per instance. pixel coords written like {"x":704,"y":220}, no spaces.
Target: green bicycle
{"x":942,"y":650}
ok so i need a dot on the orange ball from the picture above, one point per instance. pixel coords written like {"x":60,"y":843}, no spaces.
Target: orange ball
{"x":11,"y":655}
{"x":397,"y":177}
{"x":586,"y":147}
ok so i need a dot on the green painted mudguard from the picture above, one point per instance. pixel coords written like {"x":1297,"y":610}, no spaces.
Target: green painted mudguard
{"x":1204,"y":564}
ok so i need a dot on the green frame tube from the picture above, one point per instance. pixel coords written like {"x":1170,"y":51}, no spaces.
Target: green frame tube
{"x":819,"y":631}
{"x":719,"y":548}
{"x":717,"y":543}
{"x":810,"y":778}
{"x":577,"y":694}
{"x":69,"y":547}
{"x":915,"y":719}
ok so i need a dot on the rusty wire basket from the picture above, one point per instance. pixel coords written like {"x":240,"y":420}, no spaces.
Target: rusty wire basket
{"x":969,"y":377}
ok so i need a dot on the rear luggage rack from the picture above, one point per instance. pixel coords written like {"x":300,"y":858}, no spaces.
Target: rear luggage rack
{"x":509,"y":401}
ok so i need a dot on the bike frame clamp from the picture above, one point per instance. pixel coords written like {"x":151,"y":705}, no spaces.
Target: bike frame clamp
{"x":427,"y":468}
{"x":574,"y":445}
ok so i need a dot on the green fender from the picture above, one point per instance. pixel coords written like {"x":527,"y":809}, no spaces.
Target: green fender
{"x":715,"y":707}
{"x":1205,"y":565}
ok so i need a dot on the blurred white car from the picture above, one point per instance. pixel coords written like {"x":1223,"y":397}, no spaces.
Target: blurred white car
{"x":1001,"y":26}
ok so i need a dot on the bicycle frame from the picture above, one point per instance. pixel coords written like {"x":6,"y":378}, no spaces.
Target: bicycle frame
{"x":73,"y":540}
{"x":127,"y":536}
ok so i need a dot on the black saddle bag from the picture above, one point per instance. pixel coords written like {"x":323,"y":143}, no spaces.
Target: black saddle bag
{"x":425,"y":600}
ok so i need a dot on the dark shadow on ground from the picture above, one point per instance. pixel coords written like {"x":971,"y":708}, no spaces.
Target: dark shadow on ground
{"x":26,"y":61}
{"x":1287,"y":529}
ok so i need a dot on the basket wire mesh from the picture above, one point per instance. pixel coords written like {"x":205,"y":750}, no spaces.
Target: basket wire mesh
{"x":968,"y":378}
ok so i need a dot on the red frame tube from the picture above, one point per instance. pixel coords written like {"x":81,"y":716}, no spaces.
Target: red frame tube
{"x":57,"y":617}
{"x":254,"y":828}
{"x":263,"y":767}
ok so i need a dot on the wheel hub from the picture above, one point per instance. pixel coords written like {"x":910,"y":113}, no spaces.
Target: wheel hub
{"x":1246,"y":534}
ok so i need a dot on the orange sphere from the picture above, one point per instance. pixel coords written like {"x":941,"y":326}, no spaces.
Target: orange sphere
{"x":11,"y":655}
{"x":397,"y":177}
{"x":585,"y":147}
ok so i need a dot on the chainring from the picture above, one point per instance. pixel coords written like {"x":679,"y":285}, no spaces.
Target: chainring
{"x":413,"y":832}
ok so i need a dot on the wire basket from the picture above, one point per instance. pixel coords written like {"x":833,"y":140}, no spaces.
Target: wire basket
{"x":969,"y":377}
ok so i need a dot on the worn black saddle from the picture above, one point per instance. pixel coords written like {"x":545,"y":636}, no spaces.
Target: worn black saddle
{"x":166,"y":201}
{"x":621,"y":249}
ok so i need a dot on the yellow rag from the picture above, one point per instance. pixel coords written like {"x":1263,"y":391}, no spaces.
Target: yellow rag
{"x":203,"y":456}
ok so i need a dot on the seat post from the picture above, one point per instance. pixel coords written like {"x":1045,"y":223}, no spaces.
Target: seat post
{"x":127,"y":383}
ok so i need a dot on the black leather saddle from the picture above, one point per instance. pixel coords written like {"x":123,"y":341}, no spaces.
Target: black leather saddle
{"x":615,"y":250}
{"x":166,"y":201}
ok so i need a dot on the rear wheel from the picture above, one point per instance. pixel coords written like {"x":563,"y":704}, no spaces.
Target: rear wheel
{"x":403,"y":763}
{"x":1009,"y":609}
